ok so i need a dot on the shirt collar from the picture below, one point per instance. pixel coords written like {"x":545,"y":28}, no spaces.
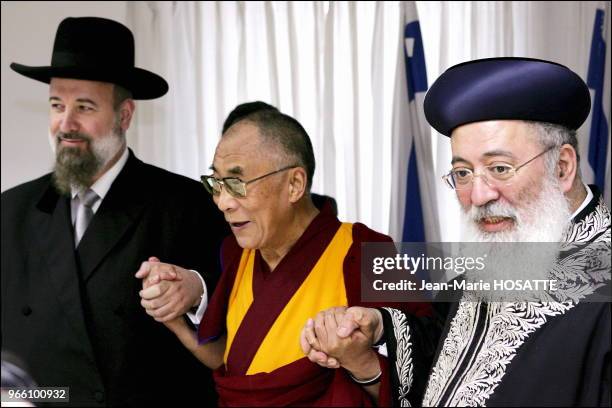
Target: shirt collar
{"x":586,"y":201}
{"x":103,"y":184}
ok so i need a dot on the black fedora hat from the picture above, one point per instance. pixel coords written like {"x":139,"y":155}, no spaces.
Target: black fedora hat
{"x":97,"y":49}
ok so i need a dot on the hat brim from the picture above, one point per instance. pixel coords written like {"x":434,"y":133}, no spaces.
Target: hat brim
{"x":142,"y":83}
{"x":507,"y":88}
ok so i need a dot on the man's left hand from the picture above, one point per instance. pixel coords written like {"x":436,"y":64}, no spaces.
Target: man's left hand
{"x":168,"y":290}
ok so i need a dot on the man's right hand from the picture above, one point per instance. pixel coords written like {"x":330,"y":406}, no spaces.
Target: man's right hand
{"x":367,"y":321}
{"x":169,"y":291}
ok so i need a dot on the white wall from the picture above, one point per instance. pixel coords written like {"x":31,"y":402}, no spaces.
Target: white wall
{"x":28,"y":31}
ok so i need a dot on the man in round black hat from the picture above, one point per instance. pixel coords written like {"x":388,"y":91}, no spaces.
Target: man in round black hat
{"x":515,"y":169}
{"x":73,"y":239}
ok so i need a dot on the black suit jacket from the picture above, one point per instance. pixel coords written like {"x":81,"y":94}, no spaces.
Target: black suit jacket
{"x":74,"y":316}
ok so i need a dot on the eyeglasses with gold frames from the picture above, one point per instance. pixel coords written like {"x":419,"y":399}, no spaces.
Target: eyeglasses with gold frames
{"x":234,"y":185}
{"x":495,"y":175}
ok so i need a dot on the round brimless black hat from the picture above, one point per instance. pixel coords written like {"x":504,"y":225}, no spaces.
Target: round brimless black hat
{"x":507,"y":88}
{"x":97,"y":49}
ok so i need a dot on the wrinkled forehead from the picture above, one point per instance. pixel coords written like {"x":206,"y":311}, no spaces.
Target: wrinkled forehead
{"x":476,"y":140}
{"x":240,"y":152}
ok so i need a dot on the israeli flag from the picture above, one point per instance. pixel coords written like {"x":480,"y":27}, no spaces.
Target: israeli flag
{"x":413,"y":216}
{"x":596,"y":154}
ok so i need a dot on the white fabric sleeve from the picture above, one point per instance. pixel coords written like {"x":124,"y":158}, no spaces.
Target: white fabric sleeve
{"x":196,"y":317}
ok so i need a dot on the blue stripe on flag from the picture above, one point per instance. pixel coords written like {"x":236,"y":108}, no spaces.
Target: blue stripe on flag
{"x":414,"y":229}
{"x":598,"y":135}
{"x":416,"y":79}
{"x":416,"y":74}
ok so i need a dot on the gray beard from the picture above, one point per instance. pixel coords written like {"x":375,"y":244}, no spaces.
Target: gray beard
{"x":521,"y":253}
{"x":76,"y":168}
{"x":544,"y":219}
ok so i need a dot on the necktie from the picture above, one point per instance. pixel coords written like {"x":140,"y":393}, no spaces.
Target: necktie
{"x":84,"y":214}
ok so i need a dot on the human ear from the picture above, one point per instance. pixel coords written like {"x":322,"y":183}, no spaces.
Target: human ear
{"x":567,"y":167}
{"x":297,"y":184}
{"x":126,"y":112}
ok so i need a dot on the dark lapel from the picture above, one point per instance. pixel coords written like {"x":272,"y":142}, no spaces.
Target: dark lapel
{"x":51,"y":220}
{"x":591,"y":205}
{"x":118,"y":212}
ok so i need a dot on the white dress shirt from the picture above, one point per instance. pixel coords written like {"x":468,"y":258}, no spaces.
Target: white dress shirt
{"x":101,"y":186}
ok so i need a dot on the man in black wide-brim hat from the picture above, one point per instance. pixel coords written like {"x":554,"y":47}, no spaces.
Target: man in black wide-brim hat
{"x":73,"y":239}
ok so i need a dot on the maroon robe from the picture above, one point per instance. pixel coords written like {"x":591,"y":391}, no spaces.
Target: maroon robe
{"x":301,"y":382}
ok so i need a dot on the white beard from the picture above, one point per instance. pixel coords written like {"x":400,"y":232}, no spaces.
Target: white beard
{"x":108,"y":147}
{"x":527,"y":251}
{"x":543,"y":220}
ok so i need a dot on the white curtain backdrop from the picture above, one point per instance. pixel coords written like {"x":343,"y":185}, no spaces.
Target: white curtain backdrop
{"x":329,"y":64}
{"x":332,"y":66}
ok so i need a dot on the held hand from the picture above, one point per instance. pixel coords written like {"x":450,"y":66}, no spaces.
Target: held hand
{"x":367,"y":320}
{"x":347,"y":351}
{"x":321,"y":342}
{"x":312,"y":349}
{"x":322,"y":345}
{"x":169,"y":291}
{"x":149,"y":277}
{"x":342,"y":337}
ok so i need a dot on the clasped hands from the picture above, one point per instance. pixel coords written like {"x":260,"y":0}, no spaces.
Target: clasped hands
{"x":343,"y":337}
{"x":168,"y":291}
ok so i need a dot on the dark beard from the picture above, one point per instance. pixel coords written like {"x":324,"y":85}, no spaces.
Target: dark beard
{"x":74,"y":167}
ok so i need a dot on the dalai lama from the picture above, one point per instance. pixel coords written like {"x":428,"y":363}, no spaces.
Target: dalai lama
{"x":285,"y":261}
